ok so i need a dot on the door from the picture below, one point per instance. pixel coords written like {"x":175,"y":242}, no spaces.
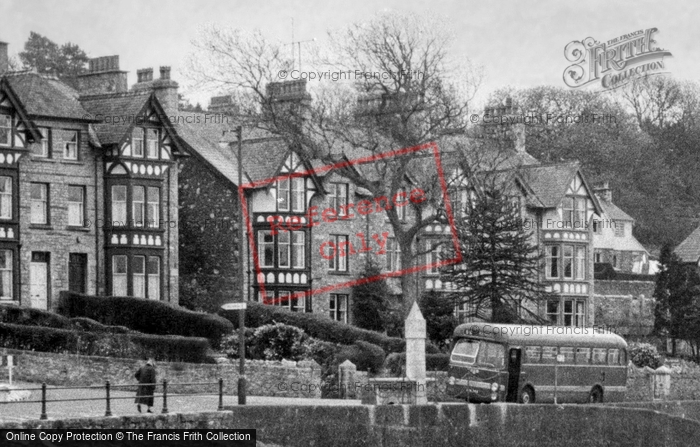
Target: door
{"x":39,"y":280}
{"x":77,"y":272}
{"x":513,"y":374}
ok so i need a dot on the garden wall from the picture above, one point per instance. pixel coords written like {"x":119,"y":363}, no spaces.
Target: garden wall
{"x":263,"y":377}
{"x":430,"y":425}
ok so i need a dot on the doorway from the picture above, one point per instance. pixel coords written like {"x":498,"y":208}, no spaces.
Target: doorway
{"x":39,"y":280}
{"x":77,"y":272}
{"x":513,"y":374}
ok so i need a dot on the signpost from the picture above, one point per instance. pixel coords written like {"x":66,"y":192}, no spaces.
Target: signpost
{"x":240,"y":307}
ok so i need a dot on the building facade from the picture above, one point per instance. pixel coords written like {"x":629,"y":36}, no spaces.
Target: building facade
{"x":89,"y":185}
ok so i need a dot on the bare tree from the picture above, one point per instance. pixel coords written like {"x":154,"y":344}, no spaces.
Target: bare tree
{"x":388,"y":83}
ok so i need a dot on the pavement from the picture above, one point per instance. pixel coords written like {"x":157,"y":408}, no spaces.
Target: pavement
{"x":122,"y":403}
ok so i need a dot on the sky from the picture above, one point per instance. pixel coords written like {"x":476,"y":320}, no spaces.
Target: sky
{"x":517,"y":43}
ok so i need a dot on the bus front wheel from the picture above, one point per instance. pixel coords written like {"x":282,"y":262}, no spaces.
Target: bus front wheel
{"x":596,"y":395}
{"x":527,"y":396}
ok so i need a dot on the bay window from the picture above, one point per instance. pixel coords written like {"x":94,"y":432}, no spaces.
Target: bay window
{"x":5,"y":197}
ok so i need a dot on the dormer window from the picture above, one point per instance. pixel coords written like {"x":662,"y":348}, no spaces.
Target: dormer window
{"x":71,"y":149}
{"x":291,"y":194}
{"x":137,"y":142}
{"x":5,"y":130}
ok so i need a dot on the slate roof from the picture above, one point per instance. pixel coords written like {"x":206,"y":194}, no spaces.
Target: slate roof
{"x":124,"y":106}
{"x":549,"y":182}
{"x":44,"y":96}
{"x":613,"y":212}
{"x":689,"y":249}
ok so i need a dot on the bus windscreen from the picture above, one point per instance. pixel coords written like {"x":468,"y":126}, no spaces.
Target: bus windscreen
{"x":465,"y":352}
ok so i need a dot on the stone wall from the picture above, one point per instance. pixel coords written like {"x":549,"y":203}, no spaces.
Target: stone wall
{"x":427,"y":425}
{"x":264,"y":377}
{"x":627,"y":307}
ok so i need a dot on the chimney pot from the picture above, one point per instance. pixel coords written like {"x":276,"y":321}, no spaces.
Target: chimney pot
{"x":165,"y":72}
{"x":4,"y":59}
{"x":144,"y":75}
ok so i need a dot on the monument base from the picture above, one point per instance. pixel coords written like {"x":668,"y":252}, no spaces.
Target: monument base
{"x":395,"y":391}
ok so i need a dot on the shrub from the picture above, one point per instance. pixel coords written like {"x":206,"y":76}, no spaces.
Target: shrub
{"x":315,"y":325}
{"x":644,"y":354}
{"x":151,"y":317}
{"x":396,"y":363}
{"x":32,"y":317}
{"x":366,"y":356}
{"x":440,"y":322}
{"x":320,"y":351}
{"x":278,"y":341}
{"x":47,"y":339}
{"x":229,"y":344}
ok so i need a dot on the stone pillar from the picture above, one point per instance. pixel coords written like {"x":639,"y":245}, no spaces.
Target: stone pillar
{"x":346,"y":379}
{"x":414,"y":329}
{"x":661,"y":383}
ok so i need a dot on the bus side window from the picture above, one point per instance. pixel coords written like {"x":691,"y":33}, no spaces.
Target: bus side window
{"x":613,"y":356}
{"x":568,"y":354}
{"x":533,"y":354}
{"x":599,"y":356}
{"x":623,"y":357}
{"x":549,"y":354}
{"x":583,"y":355}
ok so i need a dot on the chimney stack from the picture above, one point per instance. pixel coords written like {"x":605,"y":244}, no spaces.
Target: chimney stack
{"x":604,"y":192}
{"x":4,"y":59}
{"x":164,"y":88}
{"x":103,"y":76}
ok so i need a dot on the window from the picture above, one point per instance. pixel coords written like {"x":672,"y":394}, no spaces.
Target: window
{"x":583,"y":355}
{"x":153,"y":272}
{"x":597,"y":227}
{"x":138,"y":205}
{"x":338,"y":197}
{"x":465,"y":352}
{"x":393,"y":255}
{"x":5,"y":130}
{"x":137,"y":142}
{"x":599,"y":357}
{"x":5,"y":197}
{"x":491,"y":354}
{"x":153,"y":207}
{"x":613,"y":356}
{"x":598,"y":257}
{"x":568,"y":212}
{"x":76,"y":206}
{"x":298,"y":250}
{"x":284,"y":299}
{"x":580,"y":213}
{"x":284,"y":251}
{"x":568,"y":354}
{"x":568,"y":261}
{"x":39,"y":203}
{"x":338,"y":259}
{"x":119,"y":205}
{"x":70,"y":151}
{"x":42,"y":149}
{"x":152,"y":143}
{"x":574,"y":212}
{"x":553,"y":311}
{"x":581,"y":263}
{"x":433,"y":256}
{"x":533,"y":354}
{"x":552,"y":261}
{"x":298,"y":196}
{"x":338,"y":307}
{"x":139,"y":274}
{"x":6,"y":274}
{"x":549,"y":354}
{"x":119,"y":278}
{"x":283,"y":194}
{"x":266,"y":242}
{"x":619,"y":229}
{"x":580,"y":314}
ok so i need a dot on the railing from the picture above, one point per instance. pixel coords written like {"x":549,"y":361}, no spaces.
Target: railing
{"x":108,"y":387}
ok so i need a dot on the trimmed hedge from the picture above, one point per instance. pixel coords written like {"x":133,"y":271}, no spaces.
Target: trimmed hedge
{"x":48,"y":339}
{"x":396,"y":362}
{"x":151,"y":317}
{"x":365,"y":356}
{"x":316,"y":326}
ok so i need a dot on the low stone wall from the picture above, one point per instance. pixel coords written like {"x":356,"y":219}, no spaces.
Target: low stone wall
{"x":685,"y":383}
{"x":429,"y":425}
{"x":263,"y":377}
